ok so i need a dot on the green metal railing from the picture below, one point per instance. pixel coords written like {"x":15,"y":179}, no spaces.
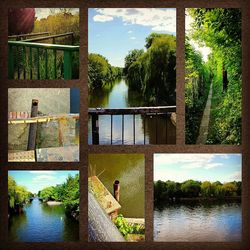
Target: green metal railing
{"x":29,"y":60}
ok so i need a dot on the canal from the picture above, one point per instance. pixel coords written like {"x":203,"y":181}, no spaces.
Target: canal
{"x":198,"y":222}
{"x":129,"y":169}
{"x":118,"y":95}
{"x":43,"y":223}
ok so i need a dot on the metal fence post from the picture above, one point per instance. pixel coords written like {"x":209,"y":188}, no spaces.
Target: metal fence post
{"x":67,"y":65}
{"x":33,"y":126}
{"x":95,"y":130}
{"x":10,"y":62}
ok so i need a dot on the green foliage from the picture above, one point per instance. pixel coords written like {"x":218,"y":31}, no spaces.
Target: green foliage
{"x":197,"y":82}
{"x":126,"y":228}
{"x":153,"y":71}
{"x":100,"y":71}
{"x":18,"y":195}
{"x":163,"y":191}
{"x":68,"y":193}
{"x":59,"y":23}
{"x":220,"y":30}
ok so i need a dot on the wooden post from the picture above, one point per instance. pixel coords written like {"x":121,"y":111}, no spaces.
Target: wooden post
{"x":224,"y":78}
{"x":116,"y":187}
{"x":33,"y":126}
{"x":95,"y":129}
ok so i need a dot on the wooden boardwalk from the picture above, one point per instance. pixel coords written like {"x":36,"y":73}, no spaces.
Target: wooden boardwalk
{"x":202,"y":138}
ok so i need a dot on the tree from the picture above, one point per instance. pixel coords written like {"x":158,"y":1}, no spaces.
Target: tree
{"x":132,"y":57}
{"x":206,"y":189}
{"x":191,"y":188}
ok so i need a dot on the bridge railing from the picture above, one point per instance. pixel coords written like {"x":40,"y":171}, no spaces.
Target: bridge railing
{"x":30,"y":60}
{"x":24,"y":36}
{"x":95,"y":113}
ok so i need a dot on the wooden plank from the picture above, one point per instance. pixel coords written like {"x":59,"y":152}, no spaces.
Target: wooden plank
{"x":40,"y":119}
{"x":140,"y":221}
{"x":22,"y":156}
{"x":47,"y":37}
{"x":133,"y":110}
{"x":103,"y":196}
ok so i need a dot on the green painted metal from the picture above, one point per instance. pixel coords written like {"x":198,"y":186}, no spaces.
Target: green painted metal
{"x":54,"y":64}
{"x":24,"y":62}
{"x":67,"y":65}
{"x":38,"y":65}
{"x":46,"y":63}
{"x":11,"y":63}
{"x":67,"y":50}
{"x":30,"y":57}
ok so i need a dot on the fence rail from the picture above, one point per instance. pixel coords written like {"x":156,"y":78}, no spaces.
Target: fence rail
{"x":144,"y":111}
{"x":29,"y":68}
{"x":19,"y":37}
{"x":50,"y":37}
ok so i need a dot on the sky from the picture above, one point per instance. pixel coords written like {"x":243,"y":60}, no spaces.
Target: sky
{"x":114,"y":32}
{"x":45,"y":12}
{"x":200,"y":167}
{"x":39,"y":179}
{"x":205,"y":51}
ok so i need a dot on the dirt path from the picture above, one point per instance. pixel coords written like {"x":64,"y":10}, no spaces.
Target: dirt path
{"x":202,"y":138}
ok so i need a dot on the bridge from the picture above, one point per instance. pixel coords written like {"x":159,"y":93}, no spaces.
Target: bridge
{"x":95,"y":113}
{"x":32,"y":59}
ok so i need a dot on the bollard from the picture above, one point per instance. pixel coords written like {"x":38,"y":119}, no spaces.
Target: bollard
{"x":33,"y":126}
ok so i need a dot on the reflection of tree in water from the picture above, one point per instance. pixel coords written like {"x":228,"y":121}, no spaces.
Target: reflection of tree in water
{"x":159,"y":126}
{"x":99,"y":97}
{"x":70,"y":229}
{"x":54,"y":210}
{"x":16,"y":222}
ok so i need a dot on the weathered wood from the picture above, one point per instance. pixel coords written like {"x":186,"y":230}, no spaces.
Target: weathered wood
{"x":47,"y":37}
{"x":116,"y":187}
{"x":46,"y":118}
{"x":104,"y":197}
{"x":27,"y":35}
{"x":33,"y":127}
{"x":140,"y":221}
{"x":22,"y":156}
{"x":100,"y":227}
{"x":131,"y":111}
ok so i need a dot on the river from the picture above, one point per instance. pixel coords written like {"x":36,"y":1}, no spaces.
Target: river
{"x":198,"y":222}
{"x":118,"y":95}
{"x":43,"y":223}
{"x":129,"y":169}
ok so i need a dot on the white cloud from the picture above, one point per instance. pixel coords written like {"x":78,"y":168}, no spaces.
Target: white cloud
{"x":102,"y":18}
{"x":130,"y":31}
{"x":189,"y":161}
{"x":42,"y":178}
{"x":43,"y":172}
{"x":236,"y":176}
{"x":132,"y":38}
{"x":158,"y":19}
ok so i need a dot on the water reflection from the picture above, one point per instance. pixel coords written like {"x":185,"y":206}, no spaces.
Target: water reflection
{"x":43,"y":223}
{"x":129,"y":170}
{"x":158,"y":130}
{"x":198,"y":222}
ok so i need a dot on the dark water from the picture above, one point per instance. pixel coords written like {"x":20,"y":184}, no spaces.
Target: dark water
{"x":117,"y":95}
{"x":198,"y":222}
{"x":129,"y":169}
{"x":43,"y":223}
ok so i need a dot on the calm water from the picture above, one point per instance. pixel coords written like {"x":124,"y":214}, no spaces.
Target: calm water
{"x":129,"y":170}
{"x":43,"y":223}
{"x":197,"y":222}
{"x":118,"y":95}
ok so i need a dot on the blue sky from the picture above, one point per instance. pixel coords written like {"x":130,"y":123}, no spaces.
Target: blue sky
{"x":114,"y":32}
{"x":37,"y":180}
{"x":201,"y":167}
